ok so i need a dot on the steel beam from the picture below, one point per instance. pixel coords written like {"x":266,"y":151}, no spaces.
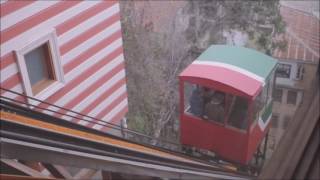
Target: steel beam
{"x":23,"y":168}
{"x":35,"y":152}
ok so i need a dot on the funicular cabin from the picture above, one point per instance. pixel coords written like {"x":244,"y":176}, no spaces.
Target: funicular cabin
{"x":226,"y":101}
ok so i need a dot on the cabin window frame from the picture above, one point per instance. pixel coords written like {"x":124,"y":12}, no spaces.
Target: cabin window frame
{"x":53,"y":62}
{"x":247,"y":116}
{"x":226,"y":117}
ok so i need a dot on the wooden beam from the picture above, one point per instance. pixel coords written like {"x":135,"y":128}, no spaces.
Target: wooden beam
{"x":18,"y":177}
{"x":38,"y":167}
{"x":85,"y":174}
{"x":23,"y":168}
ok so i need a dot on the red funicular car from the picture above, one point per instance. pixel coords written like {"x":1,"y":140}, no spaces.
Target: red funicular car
{"x":226,"y":101}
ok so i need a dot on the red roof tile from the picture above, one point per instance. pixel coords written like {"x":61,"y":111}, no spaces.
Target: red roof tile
{"x":302,"y":36}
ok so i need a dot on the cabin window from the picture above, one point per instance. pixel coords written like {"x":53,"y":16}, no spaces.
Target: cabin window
{"x":271,"y":85}
{"x":204,"y":103}
{"x":264,"y":94}
{"x":257,"y":106}
{"x":40,"y":67}
{"x":238,"y":112}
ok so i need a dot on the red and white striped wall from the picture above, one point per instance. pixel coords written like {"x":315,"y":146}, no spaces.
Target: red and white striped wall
{"x":90,"y":45}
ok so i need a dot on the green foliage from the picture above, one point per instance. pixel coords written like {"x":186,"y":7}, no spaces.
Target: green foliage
{"x":279,"y":24}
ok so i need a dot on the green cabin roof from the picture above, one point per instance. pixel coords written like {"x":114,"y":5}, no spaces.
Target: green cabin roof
{"x":247,"y":59}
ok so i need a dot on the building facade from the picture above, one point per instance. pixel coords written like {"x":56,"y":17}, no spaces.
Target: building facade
{"x":67,"y":53}
{"x":297,"y":64}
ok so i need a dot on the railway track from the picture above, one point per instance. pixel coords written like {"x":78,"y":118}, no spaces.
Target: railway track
{"x":46,"y":138}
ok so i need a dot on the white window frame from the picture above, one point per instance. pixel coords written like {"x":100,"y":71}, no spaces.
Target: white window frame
{"x":290,"y":70}
{"x":51,"y":39}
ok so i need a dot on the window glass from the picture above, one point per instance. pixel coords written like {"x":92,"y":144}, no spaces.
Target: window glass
{"x":257,"y":106}
{"x":300,"y":71}
{"x":292,"y":97}
{"x":286,"y":121}
{"x":216,"y":106}
{"x":277,"y":95}
{"x":214,"y":109}
{"x":238,"y":112}
{"x":188,"y":91}
{"x":204,"y":102}
{"x":264,"y":94}
{"x":271,"y":85}
{"x":283,"y":70}
{"x":275,"y":121}
{"x":38,"y":66}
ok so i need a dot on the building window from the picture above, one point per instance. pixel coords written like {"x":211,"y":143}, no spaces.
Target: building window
{"x":40,"y":68}
{"x":300,"y":72}
{"x":292,"y":97}
{"x":275,"y":121}
{"x":277,"y":95}
{"x":283,"y":70}
{"x":286,"y":121}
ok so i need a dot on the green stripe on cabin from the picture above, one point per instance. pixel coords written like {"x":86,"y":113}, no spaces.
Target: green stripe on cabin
{"x":248,"y":59}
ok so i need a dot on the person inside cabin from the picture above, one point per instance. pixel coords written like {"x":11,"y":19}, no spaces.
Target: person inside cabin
{"x":207,"y":95}
{"x":197,"y":101}
{"x":214,"y":109}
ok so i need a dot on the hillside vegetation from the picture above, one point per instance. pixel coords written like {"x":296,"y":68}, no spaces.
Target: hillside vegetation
{"x":162,"y":38}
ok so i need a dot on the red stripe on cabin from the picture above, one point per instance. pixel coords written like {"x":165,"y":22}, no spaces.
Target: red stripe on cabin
{"x":36,"y":19}
{"x":64,"y":27}
{"x":88,"y":53}
{"x":11,"y":6}
{"x":11,"y":81}
{"x":109,"y":108}
{"x":87,"y":73}
{"x":7,"y":60}
{"x":223,"y":79}
{"x":100,"y":99}
{"x":116,"y":119}
{"x":89,"y":33}
{"x":90,"y":89}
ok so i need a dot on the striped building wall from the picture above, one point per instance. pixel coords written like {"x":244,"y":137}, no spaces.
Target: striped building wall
{"x":89,"y":43}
